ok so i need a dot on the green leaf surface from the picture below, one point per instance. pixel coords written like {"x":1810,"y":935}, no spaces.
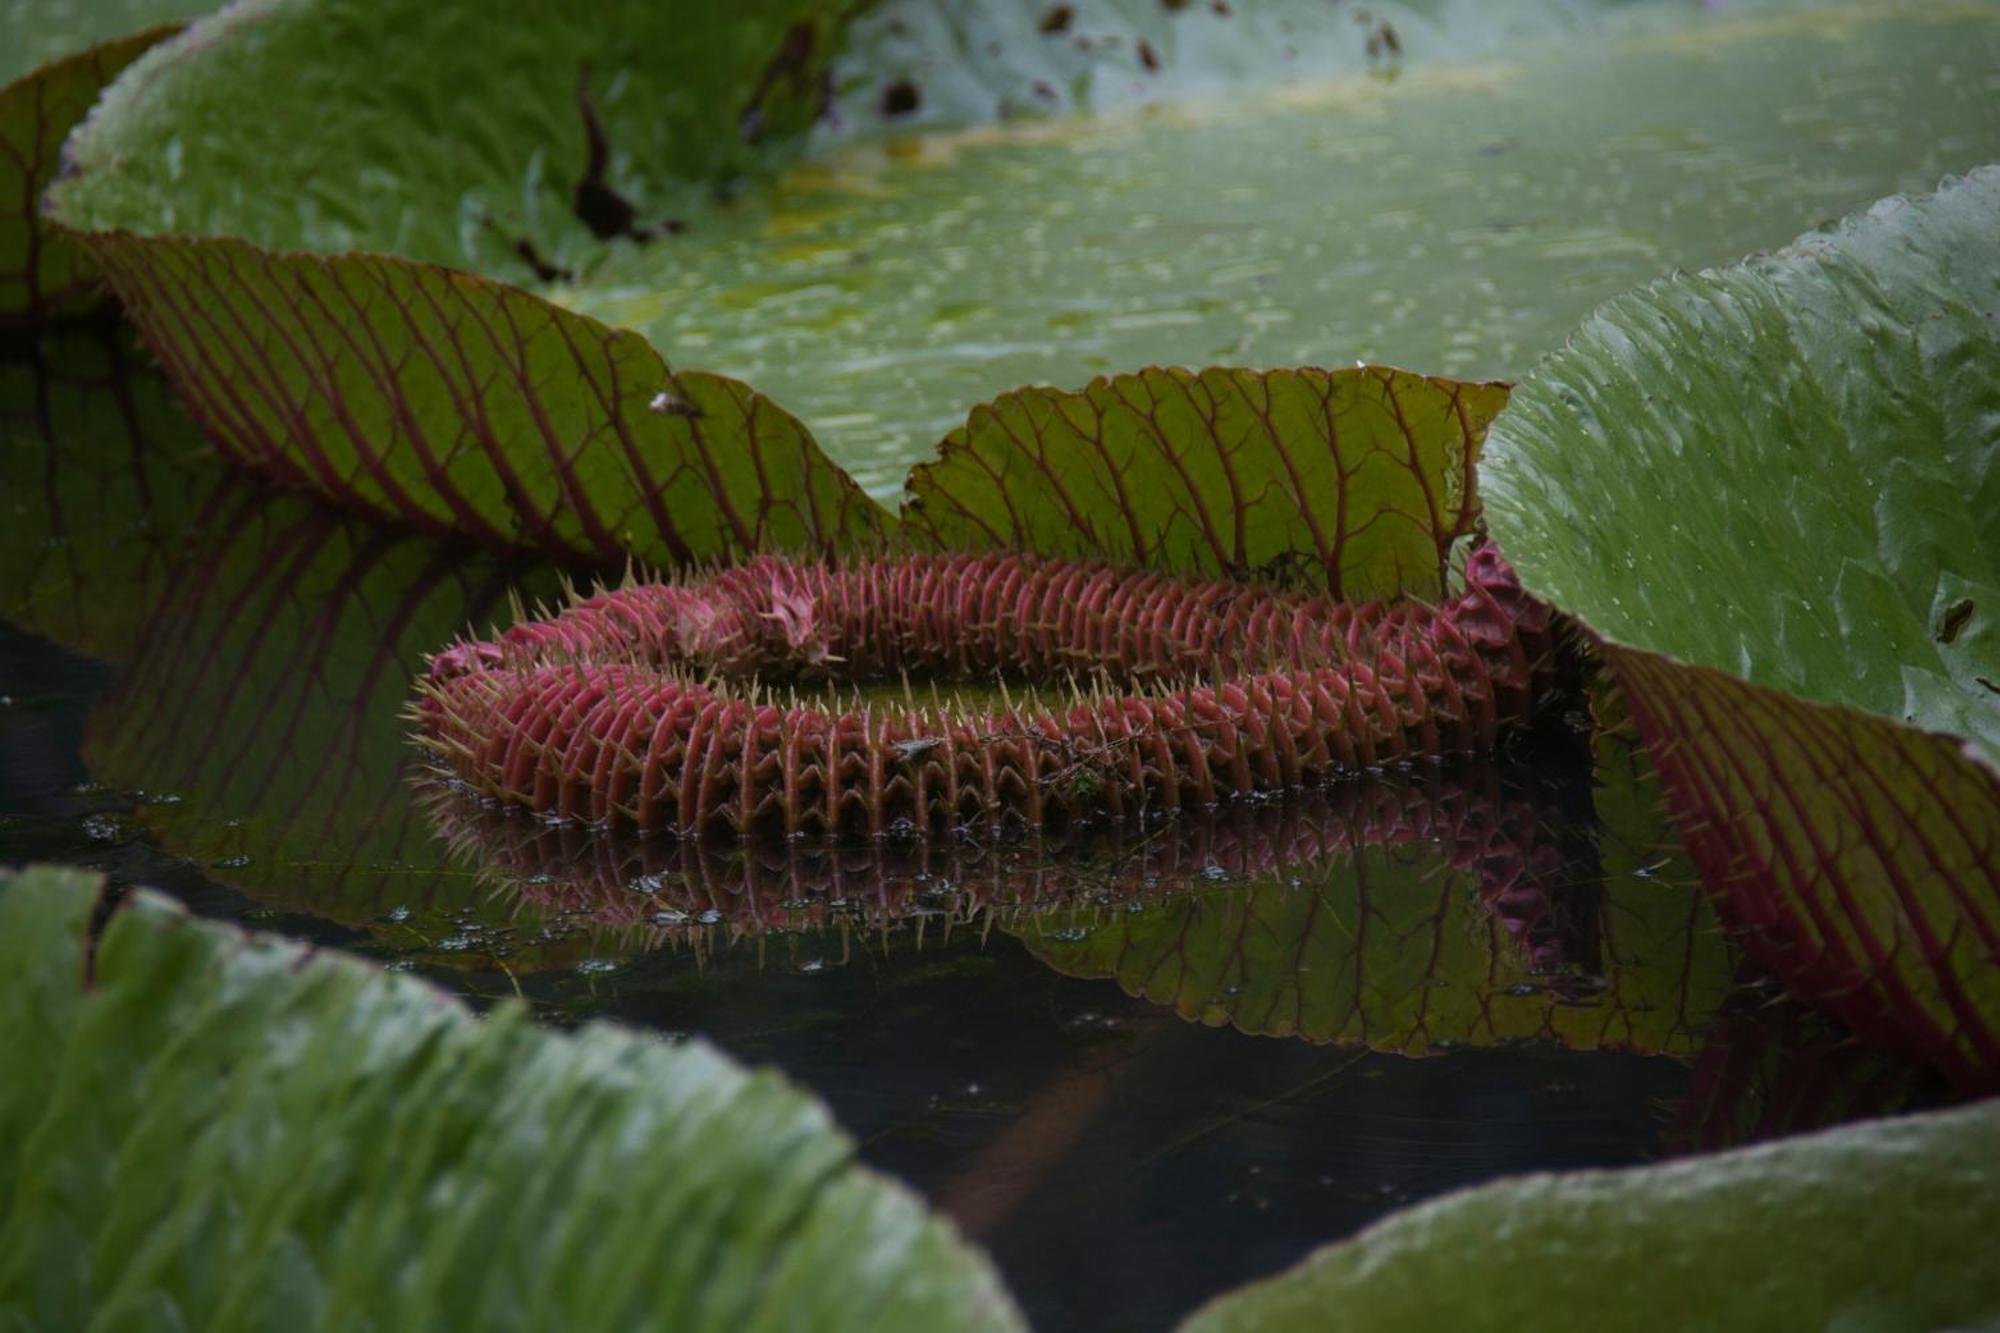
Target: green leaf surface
{"x":1884,"y":1226}
{"x":1423,"y":924}
{"x":965,"y":62}
{"x":1356,"y":480}
{"x":1787,"y":469}
{"x":1769,"y":490}
{"x":447,"y":132}
{"x":234,"y":1132}
{"x":43,"y":273}
{"x":881,"y":286}
{"x":456,"y":405}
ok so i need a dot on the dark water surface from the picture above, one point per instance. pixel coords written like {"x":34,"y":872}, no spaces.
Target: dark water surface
{"x":1142,"y":1070}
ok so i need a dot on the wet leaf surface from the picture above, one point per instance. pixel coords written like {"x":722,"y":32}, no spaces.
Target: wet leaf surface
{"x":1874,"y":1226}
{"x":1762,"y":487}
{"x":322,"y":1124}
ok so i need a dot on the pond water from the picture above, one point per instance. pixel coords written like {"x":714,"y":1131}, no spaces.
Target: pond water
{"x":1142,"y":1068}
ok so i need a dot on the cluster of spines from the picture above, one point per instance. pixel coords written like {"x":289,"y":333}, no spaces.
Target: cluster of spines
{"x":1203,"y":690}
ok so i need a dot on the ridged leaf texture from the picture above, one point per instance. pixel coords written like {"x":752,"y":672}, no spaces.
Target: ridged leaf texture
{"x":1769,"y":491}
{"x":455,"y":404}
{"x":1355,"y":481}
{"x":224,"y":1131}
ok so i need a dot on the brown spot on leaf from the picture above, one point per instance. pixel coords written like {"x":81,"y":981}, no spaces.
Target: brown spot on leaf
{"x":1174,"y":6}
{"x":1956,"y":617}
{"x":900,"y":98}
{"x":1221,"y":8}
{"x":1043,"y":91}
{"x":1148,"y":57}
{"x":1057,"y":19}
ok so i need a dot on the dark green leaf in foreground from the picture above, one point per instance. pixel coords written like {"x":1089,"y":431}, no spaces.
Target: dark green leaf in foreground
{"x":1358,"y":480}
{"x":44,"y":274}
{"x":1885,"y":1226}
{"x":455,"y":404}
{"x":210,"y":1130}
{"x":1770,"y":490}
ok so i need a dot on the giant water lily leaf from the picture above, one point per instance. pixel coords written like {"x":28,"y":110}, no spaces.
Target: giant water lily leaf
{"x":457,"y":405}
{"x":1421,"y":925}
{"x":1769,"y":490}
{"x":229,"y":1131}
{"x":1878,"y":1226}
{"x":880,"y":287}
{"x":1356,"y":480}
{"x":44,"y":274}
{"x":444,"y":133}
{"x":439,"y":400}
{"x":926,"y":63}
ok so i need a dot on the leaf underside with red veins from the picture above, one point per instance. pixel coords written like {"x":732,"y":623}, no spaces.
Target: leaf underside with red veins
{"x":595,"y":718}
{"x":1859,"y":860}
{"x":45,"y":274}
{"x":1357,"y":482}
{"x":457,"y":405}
{"x":1792,"y":562}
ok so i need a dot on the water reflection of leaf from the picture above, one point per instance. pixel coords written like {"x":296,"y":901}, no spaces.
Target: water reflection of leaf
{"x":269,"y":646}
{"x":1485,"y":932}
{"x":1771,"y":1069}
{"x":1405,"y":913}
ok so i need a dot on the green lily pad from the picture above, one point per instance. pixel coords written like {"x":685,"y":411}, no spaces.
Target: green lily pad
{"x":1769,"y":491}
{"x":1878,"y":1226}
{"x":881,"y":286}
{"x":231,"y":1132}
{"x":460,"y":406}
{"x":1359,"y":481}
{"x":1458,"y":220}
